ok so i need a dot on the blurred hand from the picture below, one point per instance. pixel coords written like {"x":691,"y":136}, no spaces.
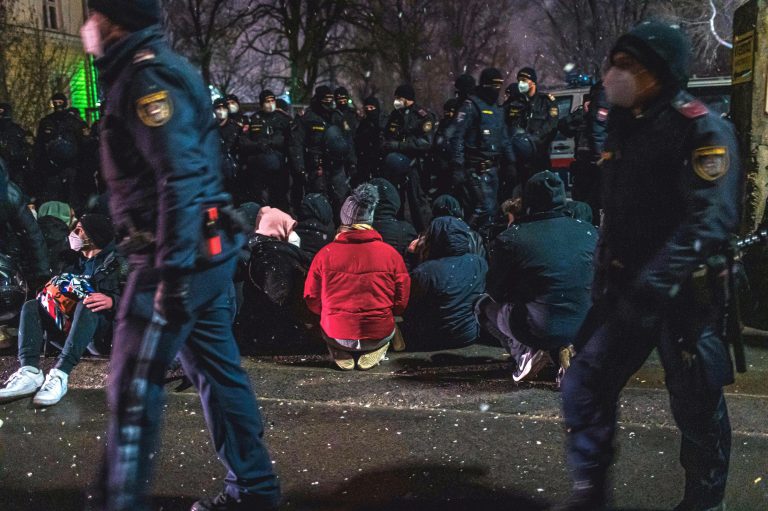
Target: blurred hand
{"x":98,"y":302}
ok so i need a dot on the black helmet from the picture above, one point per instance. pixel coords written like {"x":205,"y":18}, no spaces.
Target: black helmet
{"x":336,"y":145}
{"x":13,"y":289}
{"x":396,"y":165}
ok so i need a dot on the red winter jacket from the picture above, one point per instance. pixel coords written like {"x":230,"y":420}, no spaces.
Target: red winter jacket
{"x":357,"y":284}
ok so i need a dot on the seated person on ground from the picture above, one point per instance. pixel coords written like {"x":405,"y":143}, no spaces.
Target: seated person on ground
{"x":76,"y":307}
{"x":316,"y":228}
{"x":273,"y":305}
{"x":539,"y":280}
{"x":397,"y":233}
{"x":56,"y":220}
{"x":358,"y":284}
{"x":444,"y":289}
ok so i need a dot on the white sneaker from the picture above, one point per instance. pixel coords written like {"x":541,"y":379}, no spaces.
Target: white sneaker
{"x":53,"y":390}
{"x":22,"y":383}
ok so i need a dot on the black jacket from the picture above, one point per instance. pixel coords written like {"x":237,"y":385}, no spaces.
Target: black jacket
{"x":108,"y":275}
{"x":537,"y":117}
{"x":20,"y":236}
{"x":544,"y":265}
{"x":315,"y":227}
{"x":397,"y":233}
{"x":154,"y":131}
{"x":55,"y":232}
{"x":480,"y":134}
{"x":409,"y":131}
{"x":444,"y":289}
{"x":308,"y":139}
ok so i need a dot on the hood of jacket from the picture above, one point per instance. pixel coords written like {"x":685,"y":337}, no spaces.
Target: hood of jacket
{"x":315,"y":206}
{"x":447,"y":205}
{"x":543,"y":192}
{"x":447,"y":237}
{"x":389,"y":199}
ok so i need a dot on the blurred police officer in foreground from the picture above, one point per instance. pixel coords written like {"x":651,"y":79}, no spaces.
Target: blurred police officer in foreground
{"x":14,"y":148}
{"x":161,"y":155}
{"x":672,"y":198}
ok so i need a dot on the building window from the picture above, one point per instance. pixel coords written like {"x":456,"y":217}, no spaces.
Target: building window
{"x":51,"y":14}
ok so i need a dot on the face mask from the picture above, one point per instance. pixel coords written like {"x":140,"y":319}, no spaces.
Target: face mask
{"x":398,"y":104}
{"x":328,"y":105}
{"x":91,"y":37}
{"x":269,"y":107}
{"x":523,"y":87}
{"x":233,"y":108}
{"x":221,"y":113}
{"x":620,"y":87}
{"x":75,"y":242}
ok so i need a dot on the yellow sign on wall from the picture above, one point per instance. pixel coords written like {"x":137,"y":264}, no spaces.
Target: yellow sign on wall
{"x":743,"y":57}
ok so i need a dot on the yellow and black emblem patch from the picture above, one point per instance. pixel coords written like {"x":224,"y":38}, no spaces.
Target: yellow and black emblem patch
{"x":554,"y":112}
{"x":428,"y":126}
{"x":155,"y":109}
{"x":711,"y":163}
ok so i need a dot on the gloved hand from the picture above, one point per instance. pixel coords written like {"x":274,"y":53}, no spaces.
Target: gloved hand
{"x":638,"y":312}
{"x":172,"y":300}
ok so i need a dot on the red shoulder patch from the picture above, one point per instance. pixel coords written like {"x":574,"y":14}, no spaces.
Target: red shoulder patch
{"x":692,"y":109}
{"x":422,"y":112}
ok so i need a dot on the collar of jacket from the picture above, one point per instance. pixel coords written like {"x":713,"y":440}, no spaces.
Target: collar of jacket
{"x":358,"y":236}
{"x":120,"y":55}
{"x":544,"y":215}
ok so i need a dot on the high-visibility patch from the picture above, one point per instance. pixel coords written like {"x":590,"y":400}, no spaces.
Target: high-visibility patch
{"x":155,"y":109}
{"x":488,"y":112}
{"x":318,"y":128}
{"x":711,"y":163}
{"x":428,"y":126}
{"x":554,"y":112}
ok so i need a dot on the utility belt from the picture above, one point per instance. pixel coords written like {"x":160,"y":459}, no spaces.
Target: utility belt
{"x":483,"y":166}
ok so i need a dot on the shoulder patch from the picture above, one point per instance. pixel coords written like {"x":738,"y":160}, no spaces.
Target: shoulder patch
{"x":422,"y":113}
{"x":554,"y":112}
{"x":155,"y":109}
{"x":691,"y":109}
{"x":427,"y":127}
{"x":711,"y":163}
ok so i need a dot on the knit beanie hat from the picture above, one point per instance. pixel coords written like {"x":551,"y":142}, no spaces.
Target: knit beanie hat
{"x":663,"y":49}
{"x":372,"y":101}
{"x":249,"y":212}
{"x":133,"y":15}
{"x":265,"y":95}
{"x":55,"y":209}
{"x":529,"y":73}
{"x":491,"y":77}
{"x":274,"y":223}
{"x":98,"y":228}
{"x":406,"y":91}
{"x":359,"y":207}
{"x":464,"y":84}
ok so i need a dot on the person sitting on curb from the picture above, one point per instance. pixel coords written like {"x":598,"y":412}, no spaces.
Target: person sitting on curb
{"x":539,"y":280}
{"x":358,"y":284}
{"x":78,"y":306}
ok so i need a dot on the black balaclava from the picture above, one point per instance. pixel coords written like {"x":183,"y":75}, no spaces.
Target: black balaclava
{"x":489,"y":88}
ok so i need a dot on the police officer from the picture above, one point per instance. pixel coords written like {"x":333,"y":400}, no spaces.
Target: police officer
{"x":161,"y":161}
{"x":464,"y":86}
{"x":587,"y":125}
{"x":535,"y":114}
{"x":478,"y":144}
{"x":440,"y":155}
{"x":368,"y":140}
{"x":230,"y":133}
{"x":233,"y":104}
{"x":408,"y":133}
{"x":343,"y":105}
{"x":58,"y":152}
{"x":671,"y":200}
{"x":14,"y":148}
{"x":266,"y":151}
{"x":321,"y":150}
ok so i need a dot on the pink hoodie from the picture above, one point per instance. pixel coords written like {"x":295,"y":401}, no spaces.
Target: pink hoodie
{"x":274,"y":223}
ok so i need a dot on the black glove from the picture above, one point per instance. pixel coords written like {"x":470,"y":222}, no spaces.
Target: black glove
{"x":172,"y":300}
{"x":637,"y":312}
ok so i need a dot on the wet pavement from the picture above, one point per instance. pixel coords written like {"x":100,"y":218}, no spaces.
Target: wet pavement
{"x":448,"y":431}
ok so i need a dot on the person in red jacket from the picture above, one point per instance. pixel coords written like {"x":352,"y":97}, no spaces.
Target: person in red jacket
{"x":358,"y":284}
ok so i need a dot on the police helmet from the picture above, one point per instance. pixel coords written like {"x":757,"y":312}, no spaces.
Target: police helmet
{"x":336,"y":145}
{"x":13,"y":289}
{"x":396,"y":165}
{"x":267,"y":162}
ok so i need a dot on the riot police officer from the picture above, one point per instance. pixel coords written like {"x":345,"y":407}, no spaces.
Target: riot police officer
{"x":266,"y":152}
{"x":322,"y":150}
{"x":230,"y":133}
{"x":58,"y":152}
{"x":671,"y":200}
{"x":368,"y":140}
{"x":343,"y":105}
{"x":233,"y":104}
{"x":161,"y":154}
{"x":535,"y":114}
{"x":478,"y":145}
{"x":464,"y":86}
{"x":587,"y":125}
{"x":440,"y":155}
{"x":408,"y":135}
{"x":14,"y":148}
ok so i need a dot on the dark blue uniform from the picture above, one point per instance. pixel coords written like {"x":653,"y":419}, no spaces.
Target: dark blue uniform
{"x":265,"y":151}
{"x":671,"y":199}
{"x":161,"y":155}
{"x":479,"y":142}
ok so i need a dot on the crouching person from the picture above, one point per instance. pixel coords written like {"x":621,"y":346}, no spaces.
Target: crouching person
{"x":539,"y":280}
{"x":358,"y":284}
{"x":444,"y":288}
{"x":75,"y":310}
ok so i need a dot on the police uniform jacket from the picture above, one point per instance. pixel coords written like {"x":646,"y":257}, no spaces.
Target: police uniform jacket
{"x":480,"y":134}
{"x":672,"y":196}
{"x":308,"y":137}
{"x":267,"y":131}
{"x":409,"y":131}
{"x":538,"y":117}
{"x":161,"y":155}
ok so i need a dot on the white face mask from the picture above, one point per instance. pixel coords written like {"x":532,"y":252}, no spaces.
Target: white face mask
{"x":233,"y":108}
{"x":221,"y":113}
{"x":269,"y":107}
{"x":523,"y":86}
{"x":620,"y":87}
{"x":91,"y":37}
{"x":398,"y":104}
{"x":75,"y":242}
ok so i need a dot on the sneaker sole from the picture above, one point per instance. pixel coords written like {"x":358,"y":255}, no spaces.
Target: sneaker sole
{"x":48,"y":402}
{"x":8,"y":399}
{"x":533,"y":366}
